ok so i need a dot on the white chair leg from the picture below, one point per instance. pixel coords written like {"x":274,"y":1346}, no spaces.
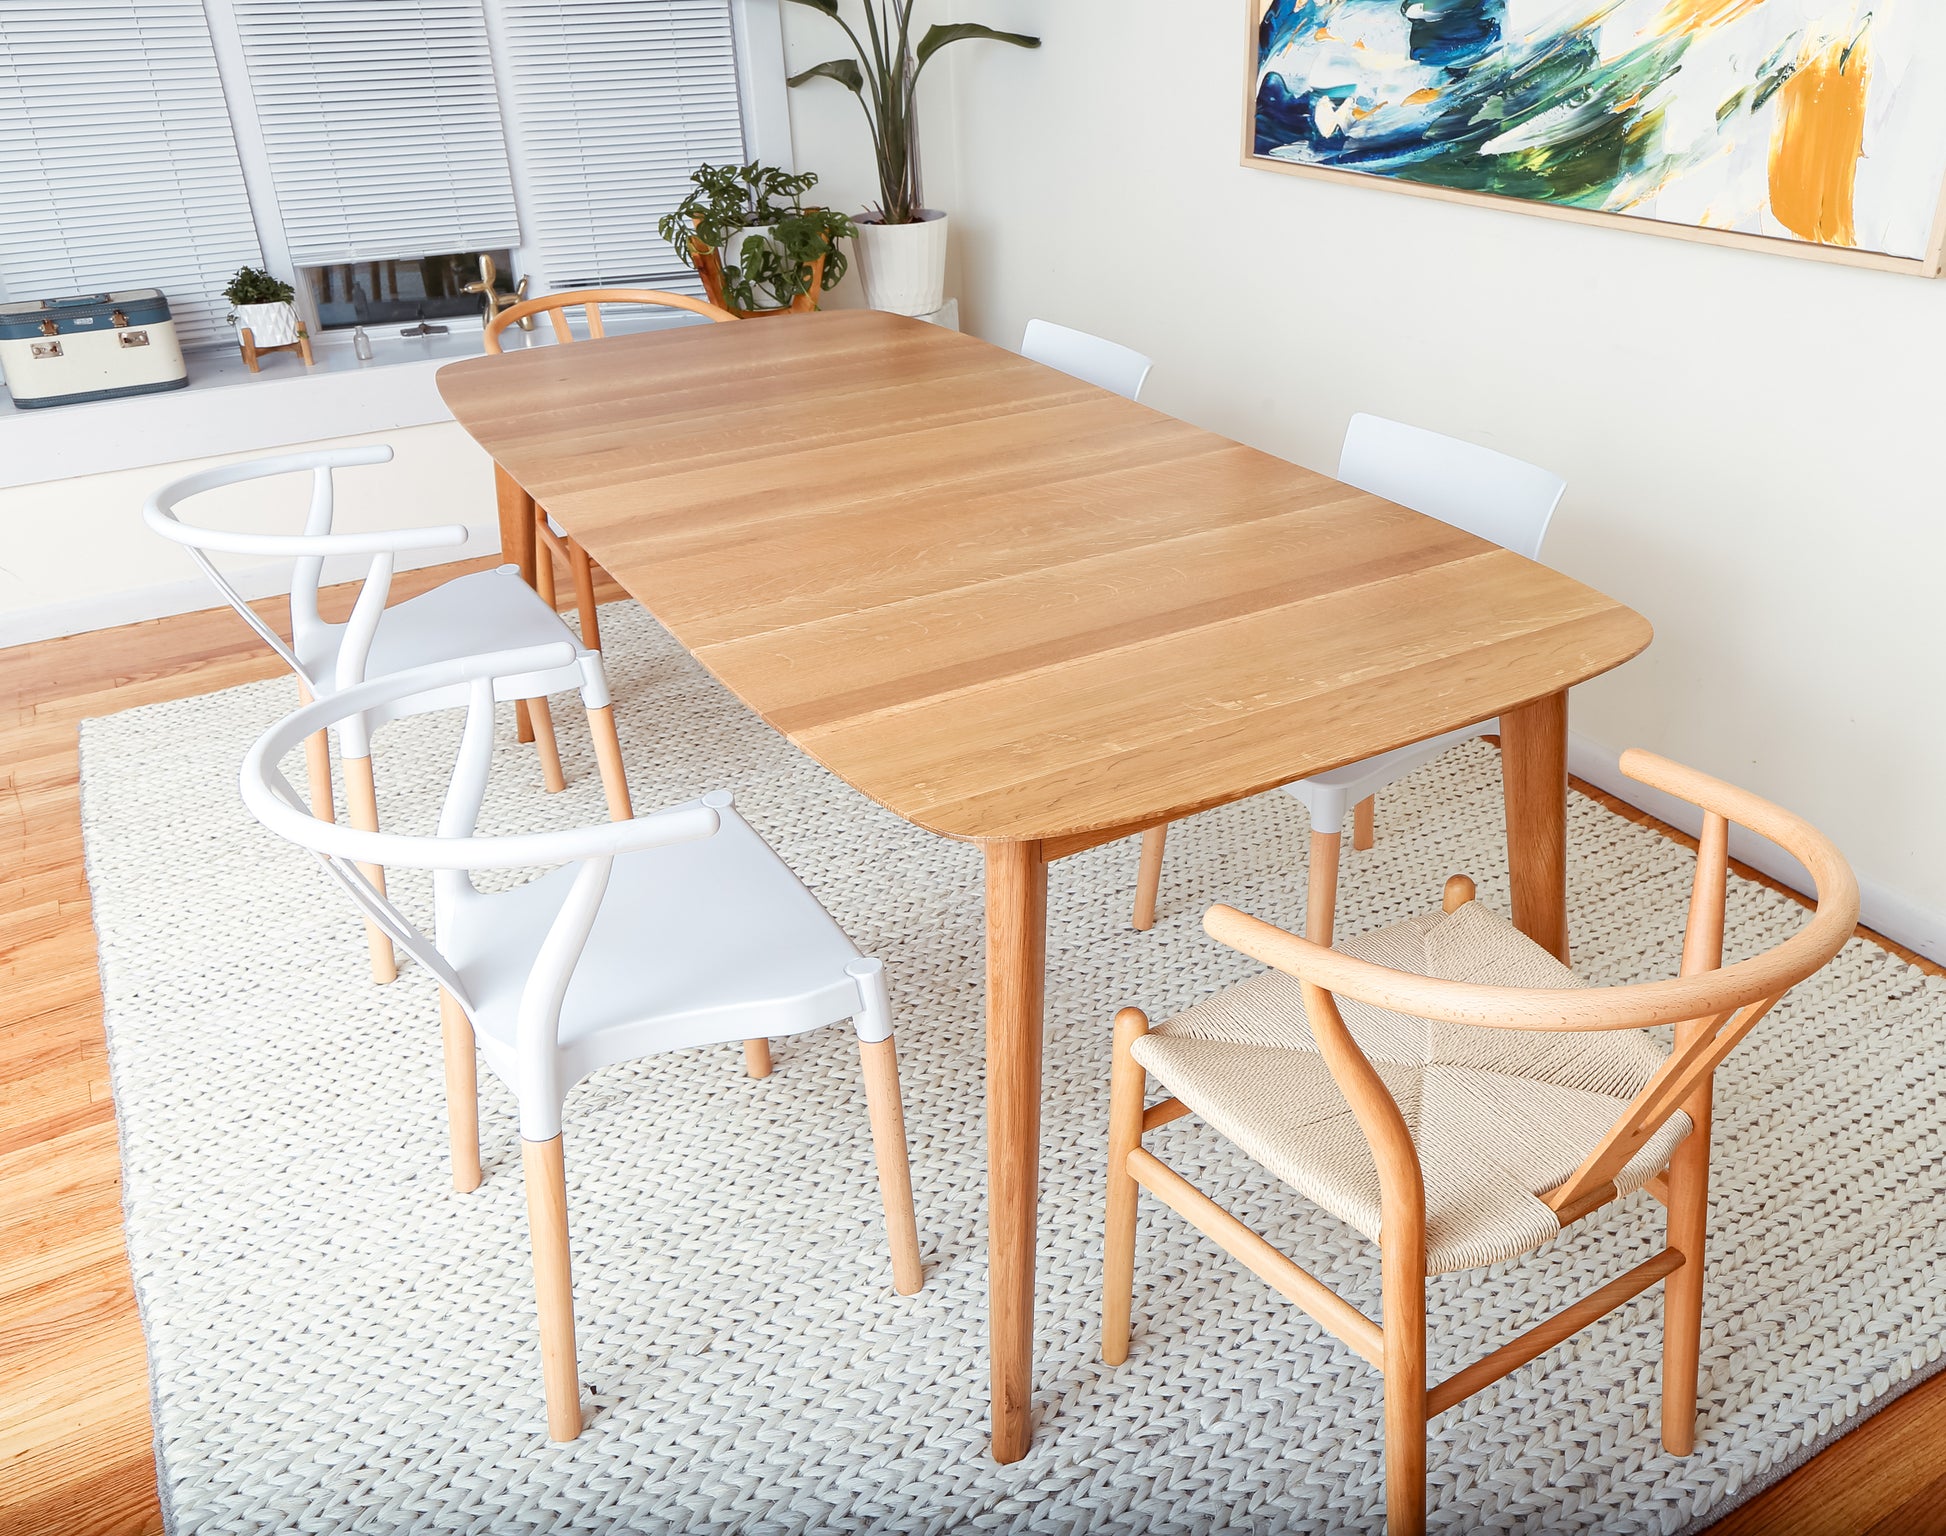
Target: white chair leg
{"x":361,"y":805}
{"x":543,"y":723}
{"x":1363,"y":817}
{"x":317,"y":767}
{"x":462,"y":1093}
{"x":881,"y":1062}
{"x":1321,"y":900}
{"x":547,"y":1229}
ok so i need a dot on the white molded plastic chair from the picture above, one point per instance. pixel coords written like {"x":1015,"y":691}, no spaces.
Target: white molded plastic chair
{"x":1475,"y":489}
{"x":679,"y":929}
{"x":1105,"y":364}
{"x":485,"y":611}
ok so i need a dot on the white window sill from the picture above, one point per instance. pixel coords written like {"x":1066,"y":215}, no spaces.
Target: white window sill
{"x":228,"y":409}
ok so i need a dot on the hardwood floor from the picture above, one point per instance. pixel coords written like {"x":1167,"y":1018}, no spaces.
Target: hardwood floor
{"x":76,"y":1455}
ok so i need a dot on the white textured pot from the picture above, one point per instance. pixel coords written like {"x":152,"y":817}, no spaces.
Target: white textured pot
{"x":270,"y":325}
{"x":904,"y":265}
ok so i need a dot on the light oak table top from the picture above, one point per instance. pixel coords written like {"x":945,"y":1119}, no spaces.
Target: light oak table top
{"x":1001,"y":602}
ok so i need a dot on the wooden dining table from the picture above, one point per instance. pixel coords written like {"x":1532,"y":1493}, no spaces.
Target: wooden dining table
{"x":1017,"y":610}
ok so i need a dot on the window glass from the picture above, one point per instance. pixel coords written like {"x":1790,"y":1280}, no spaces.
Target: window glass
{"x":403,"y":292}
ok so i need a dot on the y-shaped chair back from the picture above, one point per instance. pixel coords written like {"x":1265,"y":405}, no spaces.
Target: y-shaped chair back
{"x":1105,"y":364}
{"x":456,"y":850}
{"x":1665,"y":1113}
{"x":550,"y":539}
{"x":307,"y":552}
{"x":329,"y":658}
{"x":1483,"y":492}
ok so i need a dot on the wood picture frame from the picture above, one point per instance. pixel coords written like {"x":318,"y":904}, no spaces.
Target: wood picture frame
{"x":1929,"y":264}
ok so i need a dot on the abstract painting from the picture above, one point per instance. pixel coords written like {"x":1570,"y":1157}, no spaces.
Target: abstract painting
{"x":1813,"y":125}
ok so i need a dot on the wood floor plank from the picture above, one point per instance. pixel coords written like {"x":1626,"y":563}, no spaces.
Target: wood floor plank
{"x":76,"y":1448}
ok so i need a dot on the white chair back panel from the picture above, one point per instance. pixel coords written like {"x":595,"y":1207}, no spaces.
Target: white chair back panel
{"x":306,"y":551}
{"x":1105,"y":364}
{"x":695,"y":944}
{"x":1487,"y":494}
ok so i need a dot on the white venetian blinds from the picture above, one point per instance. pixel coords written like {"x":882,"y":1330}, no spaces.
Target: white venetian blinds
{"x":614,"y":103}
{"x":118,"y":168}
{"x":382,"y":126}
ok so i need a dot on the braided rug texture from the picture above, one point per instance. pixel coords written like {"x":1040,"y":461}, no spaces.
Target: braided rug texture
{"x":339,"y":1342}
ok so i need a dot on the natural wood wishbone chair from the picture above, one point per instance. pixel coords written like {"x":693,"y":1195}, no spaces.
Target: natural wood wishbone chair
{"x":551,"y":541}
{"x":1535,"y":1101}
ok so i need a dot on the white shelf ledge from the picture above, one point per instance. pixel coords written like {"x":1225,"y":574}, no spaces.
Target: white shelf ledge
{"x":228,"y":409}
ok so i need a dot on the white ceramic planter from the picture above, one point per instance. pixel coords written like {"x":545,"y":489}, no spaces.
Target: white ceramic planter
{"x":270,"y":325}
{"x":904,"y":265}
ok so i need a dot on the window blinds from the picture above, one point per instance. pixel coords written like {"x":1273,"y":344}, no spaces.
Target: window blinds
{"x":382,"y":126}
{"x":118,"y":168}
{"x":614,"y":103}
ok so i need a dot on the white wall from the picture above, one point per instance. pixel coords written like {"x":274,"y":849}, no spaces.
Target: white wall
{"x":74,"y":554}
{"x":1753,"y":443}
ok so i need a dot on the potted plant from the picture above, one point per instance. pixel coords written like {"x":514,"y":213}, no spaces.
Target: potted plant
{"x":757,"y":248}
{"x":261,"y":304}
{"x":901,"y":244}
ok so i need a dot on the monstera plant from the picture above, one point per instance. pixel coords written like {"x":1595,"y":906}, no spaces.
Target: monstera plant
{"x":901,"y":245}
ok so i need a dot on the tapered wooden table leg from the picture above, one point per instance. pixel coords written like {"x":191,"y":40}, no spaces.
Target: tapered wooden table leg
{"x":1534,"y":764}
{"x":1016,"y":972}
{"x":516,"y":548}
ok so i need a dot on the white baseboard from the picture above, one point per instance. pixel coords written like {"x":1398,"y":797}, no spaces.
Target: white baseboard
{"x":193,"y":593}
{"x":1880,"y":908}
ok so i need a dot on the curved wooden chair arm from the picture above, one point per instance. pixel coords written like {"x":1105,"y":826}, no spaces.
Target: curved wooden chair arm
{"x":1705,"y":994}
{"x":555,"y":305}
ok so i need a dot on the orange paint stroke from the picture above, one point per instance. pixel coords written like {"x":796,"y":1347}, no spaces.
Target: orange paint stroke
{"x":1420,"y":98}
{"x":1681,"y":17}
{"x":1818,"y":142}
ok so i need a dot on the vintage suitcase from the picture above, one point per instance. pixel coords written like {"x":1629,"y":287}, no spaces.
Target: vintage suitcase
{"x":93,"y":347}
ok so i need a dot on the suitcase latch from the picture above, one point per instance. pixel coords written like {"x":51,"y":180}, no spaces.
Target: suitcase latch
{"x":134,"y":338}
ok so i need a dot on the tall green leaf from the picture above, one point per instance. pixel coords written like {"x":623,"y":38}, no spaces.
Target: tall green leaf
{"x":844,"y":71}
{"x":937,"y":37}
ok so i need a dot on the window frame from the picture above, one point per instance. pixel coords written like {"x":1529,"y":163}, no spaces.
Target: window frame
{"x":762,"y":98}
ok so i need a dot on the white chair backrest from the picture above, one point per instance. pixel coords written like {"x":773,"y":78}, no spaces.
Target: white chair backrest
{"x":1485,"y":493}
{"x":1105,"y":364}
{"x":307,"y":551}
{"x":456,"y":850}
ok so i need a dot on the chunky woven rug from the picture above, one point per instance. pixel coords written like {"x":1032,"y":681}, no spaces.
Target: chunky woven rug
{"x":339,"y":1342}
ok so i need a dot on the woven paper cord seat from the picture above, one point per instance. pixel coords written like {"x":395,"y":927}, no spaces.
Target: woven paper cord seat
{"x":1499,"y":1116}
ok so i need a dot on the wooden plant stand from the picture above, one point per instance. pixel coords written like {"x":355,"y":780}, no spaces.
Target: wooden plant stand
{"x":251,"y":351}
{"x":709,"y":267}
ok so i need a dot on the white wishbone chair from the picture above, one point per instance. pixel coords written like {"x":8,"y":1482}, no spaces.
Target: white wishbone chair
{"x":1472,"y":488}
{"x":679,"y":929}
{"x":1092,"y":359}
{"x":484,"y":611}
{"x":1450,"y":1090}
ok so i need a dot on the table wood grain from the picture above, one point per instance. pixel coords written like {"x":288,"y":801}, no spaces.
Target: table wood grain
{"x":1017,"y":610}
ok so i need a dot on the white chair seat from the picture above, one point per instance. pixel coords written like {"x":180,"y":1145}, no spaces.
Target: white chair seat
{"x":1499,"y":1117}
{"x":468,"y":616}
{"x":1327,"y":796}
{"x":695,"y":943}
